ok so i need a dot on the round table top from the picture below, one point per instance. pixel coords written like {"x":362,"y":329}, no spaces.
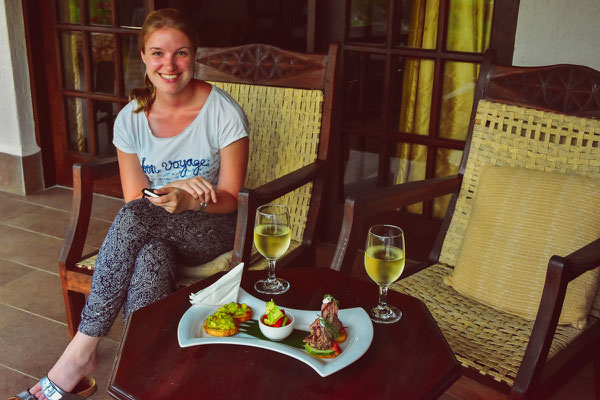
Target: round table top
{"x":409,"y":359}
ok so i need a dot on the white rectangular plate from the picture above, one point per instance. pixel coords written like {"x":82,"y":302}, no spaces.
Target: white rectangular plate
{"x":357,"y":322}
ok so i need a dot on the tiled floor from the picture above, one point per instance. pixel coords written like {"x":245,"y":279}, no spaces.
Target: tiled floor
{"x":33,"y":331}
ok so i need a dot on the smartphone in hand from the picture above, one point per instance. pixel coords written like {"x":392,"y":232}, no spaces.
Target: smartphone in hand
{"x":147,"y":192}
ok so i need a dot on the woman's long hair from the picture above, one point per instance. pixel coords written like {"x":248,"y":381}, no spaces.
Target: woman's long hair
{"x":165,"y":17}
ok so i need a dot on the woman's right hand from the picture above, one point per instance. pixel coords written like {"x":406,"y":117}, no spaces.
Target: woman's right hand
{"x":197,"y":187}
{"x":175,"y":200}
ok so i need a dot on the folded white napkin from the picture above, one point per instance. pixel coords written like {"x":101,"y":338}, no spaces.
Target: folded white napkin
{"x":223,"y":291}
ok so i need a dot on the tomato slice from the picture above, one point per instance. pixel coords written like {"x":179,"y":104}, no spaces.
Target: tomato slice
{"x":336,"y":348}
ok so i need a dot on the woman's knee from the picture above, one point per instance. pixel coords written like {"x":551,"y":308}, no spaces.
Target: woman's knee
{"x":133,"y":214}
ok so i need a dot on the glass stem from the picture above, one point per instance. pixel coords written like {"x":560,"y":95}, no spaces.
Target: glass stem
{"x":382,"y":297}
{"x":271,"y":273}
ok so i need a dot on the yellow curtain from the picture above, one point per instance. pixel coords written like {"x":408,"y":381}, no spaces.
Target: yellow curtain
{"x":469,"y":24}
{"x":72,"y":67}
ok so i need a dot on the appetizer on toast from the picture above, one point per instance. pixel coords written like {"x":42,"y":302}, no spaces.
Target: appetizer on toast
{"x":320,"y":342}
{"x":227,"y":319}
{"x":220,"y":324}
{"x":239,"y":311}
{"x":329,"y":312}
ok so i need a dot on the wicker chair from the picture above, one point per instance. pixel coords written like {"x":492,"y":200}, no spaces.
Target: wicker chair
{"x":287,"y":98}
{"x":539,"y":118}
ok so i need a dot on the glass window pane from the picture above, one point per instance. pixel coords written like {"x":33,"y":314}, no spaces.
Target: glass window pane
{"x":368,"y":21}
{"x":102,"y":63}
{"x":457,"y":99}
{"x":447,"y":163}
{"x":364,"y":89}
{"x":105,"y":113}
{"x":133,"y":67}
{"x":413,"y":82}
{"x":132,"y":12}
{"x":72,"y":60}
{"x":415,"y":24}
{"x":100,"y":12}
{"x":68,"y":12}
{"x":469,"y":25}
{"x":408,"y":163}
{"x":77,"y":126}
{"x":362,"y":164}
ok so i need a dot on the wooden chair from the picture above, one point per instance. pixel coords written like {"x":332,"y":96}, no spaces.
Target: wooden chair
{"x":538,"y":118}
{"x":287,"y":97}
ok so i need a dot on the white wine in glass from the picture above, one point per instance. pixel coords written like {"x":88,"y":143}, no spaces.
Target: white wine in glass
{"x":272,"y":235}
{"x":384,"y":262}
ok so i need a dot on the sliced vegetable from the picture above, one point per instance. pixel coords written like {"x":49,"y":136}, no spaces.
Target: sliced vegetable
{"x":273,"y":313}
{"x":317,"y":352}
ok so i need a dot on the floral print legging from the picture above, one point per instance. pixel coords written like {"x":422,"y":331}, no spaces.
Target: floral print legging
{"x":137,"y":260}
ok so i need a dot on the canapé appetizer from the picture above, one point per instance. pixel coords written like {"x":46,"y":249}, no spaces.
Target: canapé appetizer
{"x":320,"y":342}
{"x":239,"y":311}
{"x":220,"y":324}
{"x":329,"y":312}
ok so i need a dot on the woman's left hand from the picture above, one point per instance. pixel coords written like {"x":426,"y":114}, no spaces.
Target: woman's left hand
{"x":174,"y":200}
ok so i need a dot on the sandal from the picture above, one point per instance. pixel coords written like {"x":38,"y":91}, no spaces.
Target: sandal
{"x":86,"y":387}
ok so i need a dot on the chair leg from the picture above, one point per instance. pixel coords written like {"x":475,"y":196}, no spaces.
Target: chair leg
{"x":74,"y":302}
{"x":596,"y":375}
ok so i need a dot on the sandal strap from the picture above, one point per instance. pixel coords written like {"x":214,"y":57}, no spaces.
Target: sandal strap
{"x":25,"y":395}
{"x":53,"y":392}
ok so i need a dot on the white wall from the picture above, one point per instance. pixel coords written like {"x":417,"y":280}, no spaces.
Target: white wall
{"x":17,"y":132}
{"x":557,"y":32}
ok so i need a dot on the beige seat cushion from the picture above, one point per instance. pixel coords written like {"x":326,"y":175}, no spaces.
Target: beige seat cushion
{"x":481,"y":337}
{"x":187,"y":275}
{"x":520,"y":219}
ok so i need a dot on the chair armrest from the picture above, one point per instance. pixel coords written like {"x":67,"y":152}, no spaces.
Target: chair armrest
{"x":84,"y":175}
{"x":561,"y":271}
{"x":583,"y":260}
{"x":250,"y":199}
{"x":361,"y":207}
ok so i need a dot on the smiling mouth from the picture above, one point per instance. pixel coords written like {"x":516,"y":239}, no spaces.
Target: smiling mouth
{"x":169,"y":76}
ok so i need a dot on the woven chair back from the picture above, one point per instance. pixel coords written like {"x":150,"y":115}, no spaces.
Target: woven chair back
{"x":514,"y":136}
{"x":284,"y":136}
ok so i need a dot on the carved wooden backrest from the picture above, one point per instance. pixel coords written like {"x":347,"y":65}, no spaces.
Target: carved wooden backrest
{"x":285,"y":97}
{"x":565,"y":89}
{"x":259,"y":64}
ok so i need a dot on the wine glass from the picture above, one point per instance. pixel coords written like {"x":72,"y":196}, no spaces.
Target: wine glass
{"x":272,"y":236}
{"x":384,"y":262}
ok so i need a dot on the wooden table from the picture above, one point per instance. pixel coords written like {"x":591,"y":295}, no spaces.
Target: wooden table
{"x":409,"y":359}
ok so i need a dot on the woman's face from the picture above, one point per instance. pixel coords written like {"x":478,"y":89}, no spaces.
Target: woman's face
{"x":168,"y":56}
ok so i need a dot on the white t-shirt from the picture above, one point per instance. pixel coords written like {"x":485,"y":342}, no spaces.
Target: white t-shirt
{"x":192,"y":152}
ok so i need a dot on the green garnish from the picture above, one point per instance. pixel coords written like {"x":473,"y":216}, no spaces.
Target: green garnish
{"x":234,"y":309}
{"x":335,"y":332}
{"x":220,"y":320}
{"x":331,"y":298}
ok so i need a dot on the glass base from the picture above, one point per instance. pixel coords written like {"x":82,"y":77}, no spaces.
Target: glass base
{"x":277,"y":286}
{"x":385,"y":315}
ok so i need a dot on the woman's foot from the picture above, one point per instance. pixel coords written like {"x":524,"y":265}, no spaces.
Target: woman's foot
{"x":78,"y":360}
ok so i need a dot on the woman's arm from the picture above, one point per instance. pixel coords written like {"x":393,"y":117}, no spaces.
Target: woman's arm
{"x":133,"y":179}
{"x":189,"y":193}
{"x":232,"y":173}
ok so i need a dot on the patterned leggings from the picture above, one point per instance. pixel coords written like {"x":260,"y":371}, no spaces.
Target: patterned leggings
{"x":136,"y":263}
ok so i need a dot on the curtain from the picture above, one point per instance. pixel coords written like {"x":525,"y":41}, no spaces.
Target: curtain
{"x":469,"y":27}
{"x":75,"y":107}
